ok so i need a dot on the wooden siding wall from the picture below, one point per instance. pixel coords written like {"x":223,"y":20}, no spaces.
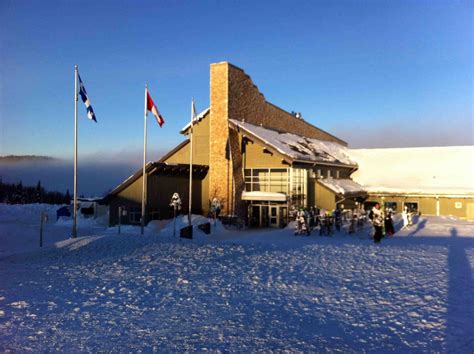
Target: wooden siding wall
{"x":200,"y":146}
{"x":160,"y":189}
{"x":324,"y":198}
{"x":255,"y":157}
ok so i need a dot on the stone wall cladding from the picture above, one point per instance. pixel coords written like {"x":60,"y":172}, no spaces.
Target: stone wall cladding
{"x":218,"y":134}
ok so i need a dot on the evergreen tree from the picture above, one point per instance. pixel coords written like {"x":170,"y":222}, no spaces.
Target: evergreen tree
{"x":39,"y":193}
{"x":67,"y":198}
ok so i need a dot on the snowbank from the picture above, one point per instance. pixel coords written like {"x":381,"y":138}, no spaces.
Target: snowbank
{"x":240,"y":291}
{"x":198,"y":234}
{"x":27,"y":212}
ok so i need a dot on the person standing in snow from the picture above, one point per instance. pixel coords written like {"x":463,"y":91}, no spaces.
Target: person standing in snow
{"x":377,"y":221}
{"x":353,"y":222}
{"x":215,"y":209}
{"x":405,"y":217}
{"x":337,"y":218}
{"x":389,"y":229}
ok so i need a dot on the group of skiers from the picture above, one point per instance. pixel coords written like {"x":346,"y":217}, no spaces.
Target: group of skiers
{"x":382,"y":221}
{"x":308,"y":220}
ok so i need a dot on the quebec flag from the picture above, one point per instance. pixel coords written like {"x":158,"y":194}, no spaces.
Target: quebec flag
{"x":85,"y":99}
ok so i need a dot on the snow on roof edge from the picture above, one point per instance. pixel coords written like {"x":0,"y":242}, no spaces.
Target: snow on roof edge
{"x":197,"y":119}
{"x":297,"y":147}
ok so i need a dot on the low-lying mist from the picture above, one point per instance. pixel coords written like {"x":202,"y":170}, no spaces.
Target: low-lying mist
{"x":97,"y":175}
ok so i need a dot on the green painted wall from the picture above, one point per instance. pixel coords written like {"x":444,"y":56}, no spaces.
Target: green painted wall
{"x":324,"y":197}
{"x":256,"y":157}
{"x":200,"y":146}
{"x":160,"y":189}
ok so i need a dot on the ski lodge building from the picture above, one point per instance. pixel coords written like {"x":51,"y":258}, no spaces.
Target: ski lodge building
{"x":260,"y":162}
{"x":255,"y":158}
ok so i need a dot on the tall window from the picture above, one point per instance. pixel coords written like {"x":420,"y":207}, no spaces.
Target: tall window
{"x":267,"y":180}
{"x":299,"y":182}
{"x":135,"y":214}
{"x":290,"y":181}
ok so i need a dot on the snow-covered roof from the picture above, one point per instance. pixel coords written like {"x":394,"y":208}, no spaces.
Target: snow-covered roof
{"x":198,"y":118}
{"x":422,"y":170}
{"x":297,"y":147}
{"x":342,"y":186}
{"x":89,"y":199}
{"x":264,"y":196}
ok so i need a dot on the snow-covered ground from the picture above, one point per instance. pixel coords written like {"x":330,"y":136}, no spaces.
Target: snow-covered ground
{"x":234,"y":290}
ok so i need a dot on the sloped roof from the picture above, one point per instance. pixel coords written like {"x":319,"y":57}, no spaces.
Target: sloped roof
{"x":198,"y":118}
{"x":154,"y":167}
{"x":344,"y":187}
{"x":173,"y":151}
{"x":421,"y":170}
{"x":298,"y":148}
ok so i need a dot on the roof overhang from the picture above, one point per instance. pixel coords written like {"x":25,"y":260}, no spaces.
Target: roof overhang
{"x":346,"y":188}
{"x":264,"y":196}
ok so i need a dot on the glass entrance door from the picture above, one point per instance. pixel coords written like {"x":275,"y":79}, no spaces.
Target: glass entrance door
{"x":264,"y":216}
{"x":283,"y":216}
{"x":267,"y":215}
{"x":274,"y":216}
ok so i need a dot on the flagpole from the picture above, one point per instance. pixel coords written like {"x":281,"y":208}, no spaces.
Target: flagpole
{"x":144,"y":184}
{"x":191,"y":162}
{"x":74,"y":224}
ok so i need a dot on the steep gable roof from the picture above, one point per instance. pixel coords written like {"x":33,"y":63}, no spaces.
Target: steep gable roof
{"x":158,"y":167}
{"x":298,"y":148}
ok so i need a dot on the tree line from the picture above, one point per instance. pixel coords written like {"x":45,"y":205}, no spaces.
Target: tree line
{"x":16,"y":193}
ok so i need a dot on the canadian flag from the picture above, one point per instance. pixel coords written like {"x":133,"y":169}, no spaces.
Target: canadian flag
{"x":150,"y":106}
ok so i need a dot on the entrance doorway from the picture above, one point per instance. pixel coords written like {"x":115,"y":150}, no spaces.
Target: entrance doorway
{"x":268,"y":215}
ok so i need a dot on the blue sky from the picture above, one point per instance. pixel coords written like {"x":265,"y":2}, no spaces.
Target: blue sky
{"x":375,"y":73}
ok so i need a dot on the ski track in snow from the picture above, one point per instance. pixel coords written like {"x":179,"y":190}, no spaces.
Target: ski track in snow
{"x":243,"y":291}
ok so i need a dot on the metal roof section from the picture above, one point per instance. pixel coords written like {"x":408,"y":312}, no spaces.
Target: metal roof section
{"x":298,"y":148}
{"x":343,"y":187}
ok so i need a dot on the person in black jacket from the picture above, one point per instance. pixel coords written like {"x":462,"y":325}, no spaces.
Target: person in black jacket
{"x":389,"y":229}
{"x":377,"y":221}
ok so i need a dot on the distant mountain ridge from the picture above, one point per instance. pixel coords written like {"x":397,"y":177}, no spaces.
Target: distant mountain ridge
{"x":25,"y":158}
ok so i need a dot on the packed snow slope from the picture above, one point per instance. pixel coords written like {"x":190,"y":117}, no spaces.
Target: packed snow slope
{"x":239,"y":290}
